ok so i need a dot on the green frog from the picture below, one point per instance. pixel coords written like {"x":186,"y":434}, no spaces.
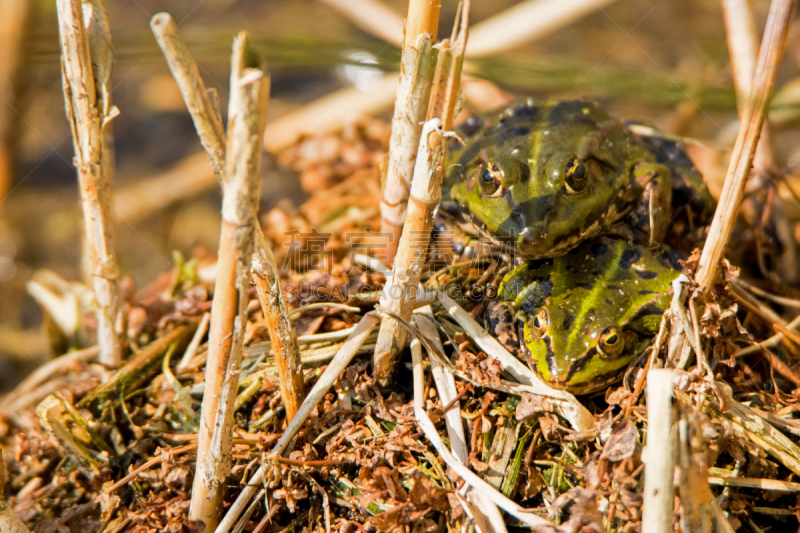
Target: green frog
{"x":547,"y":176}
{"x":582,"y":318}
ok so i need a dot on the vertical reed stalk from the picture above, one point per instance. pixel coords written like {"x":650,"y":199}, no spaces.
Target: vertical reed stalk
{"x":772,"y":46}
{"x":265,"y":271}
{"x":247,"y":111}
{"x":411,"y":102}
{"x":400,"y":290}
{"x":87,"y":64}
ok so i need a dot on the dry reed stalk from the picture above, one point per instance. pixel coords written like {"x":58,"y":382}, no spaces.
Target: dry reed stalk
{"x":373,"y":17}
{"x":742,"y":45}
{"x":184,"y":69}
{"x":191,"y":176}
{"x":461,"y":470}
{"x":247,"y":112}
{"x":659,"y":454}
{"x":411,"y":256}
{"x":410,"y":107}
{"x":399,"y":292}
{"x":772,"y":47}
{"x":87,"y":61}
{"x":696,"y":511}
{"x":13,"y":26}
{"x":346,"y":353}
{"x":281,"y":331}
{"x":265,"y":271}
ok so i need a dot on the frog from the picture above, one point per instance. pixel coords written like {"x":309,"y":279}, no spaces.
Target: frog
{"x":546,"y":176}
{"x":580,"y":319}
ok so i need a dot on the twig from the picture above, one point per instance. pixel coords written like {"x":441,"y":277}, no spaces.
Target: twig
{"x":424,"y":422}
{"x":324,"y":383}
{"x":411,"y":104}
{"x":746,"y":423}
{"x":247,"y":111}
{"x":693,"y":487}
{"x":148,"y":464}
{"x":184,"y":70}
{"x":281,"y":331}
{"x":719,"y":234}
{"x":88,"y":60}
{"x":137,"y":370}
{"x":10,"y":406}
{"x":411,"y":255}
{"x":564,"y":403}
{"x":742,"y":45}
{"x":265,"y":276}
{"x":191,"y":350}
{"x":426,"y":189}
{"x":659,"y":454}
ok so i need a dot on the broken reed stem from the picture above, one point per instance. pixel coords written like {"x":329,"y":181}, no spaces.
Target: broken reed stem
{"x":209,"y":128}
{"x":412,"y":252}
{"x":184,"y":69}
{"x":281,"y":331}
{"x":87,"y":63}
{"x":659,"y":454}
{"x":400,"y":290}
{"x":339,"y":363}
{"x":410,"y":106}
{"x":780,"y":14}
{"x":247,"y":111}
{"x":743,"y":45}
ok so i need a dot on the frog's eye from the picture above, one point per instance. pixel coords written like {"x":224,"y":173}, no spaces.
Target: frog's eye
{"x":490,"y":180}
{"x":575,"y":176}
{"x":611,"y":343}
{"x":539,"y":323}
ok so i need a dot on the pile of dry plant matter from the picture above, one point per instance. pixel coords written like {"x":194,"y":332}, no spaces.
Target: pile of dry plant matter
{"x":115,"y":451}
{"x":461,"y":434}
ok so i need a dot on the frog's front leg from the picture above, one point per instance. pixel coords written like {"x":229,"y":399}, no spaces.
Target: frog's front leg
{"x":652,"y":214}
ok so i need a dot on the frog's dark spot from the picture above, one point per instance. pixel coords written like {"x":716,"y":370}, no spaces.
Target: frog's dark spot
{"x":471,"y":126}
{"x":629,"y":257}
{"x":612,"y":287}
{"x":568,"y":321}
{"x":591,"y":311}
{"x":645,"y":293}
{"x":469,"y":154}
{"x":647,"y":274}
{"x":528,"y":308}
{"x":587,"y":286}
{"x":571,"y":269}
{"x":608,"y":302}
{"x":508,"y":134}
{"x":599,"y":249}
{"x":647,"y":310}
{"x":525,"y":110}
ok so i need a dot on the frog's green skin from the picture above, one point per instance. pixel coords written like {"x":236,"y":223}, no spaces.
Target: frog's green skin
{"x":569,"y":308}
{"x":527,"y":149}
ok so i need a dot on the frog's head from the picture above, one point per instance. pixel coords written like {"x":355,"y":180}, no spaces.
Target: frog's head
{"x":581,"y":358}
{"x":585,"y":316}
{"x":543,"y":177}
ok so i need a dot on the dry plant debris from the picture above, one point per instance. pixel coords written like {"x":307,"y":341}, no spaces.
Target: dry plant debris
{"x":459,"y":438}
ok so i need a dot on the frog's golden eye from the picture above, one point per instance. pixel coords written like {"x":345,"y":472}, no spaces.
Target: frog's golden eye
{"x":491,"y":185}
{"x":575,"y":176}
{"x":611,"y":343}
{"x":539,"y":323}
